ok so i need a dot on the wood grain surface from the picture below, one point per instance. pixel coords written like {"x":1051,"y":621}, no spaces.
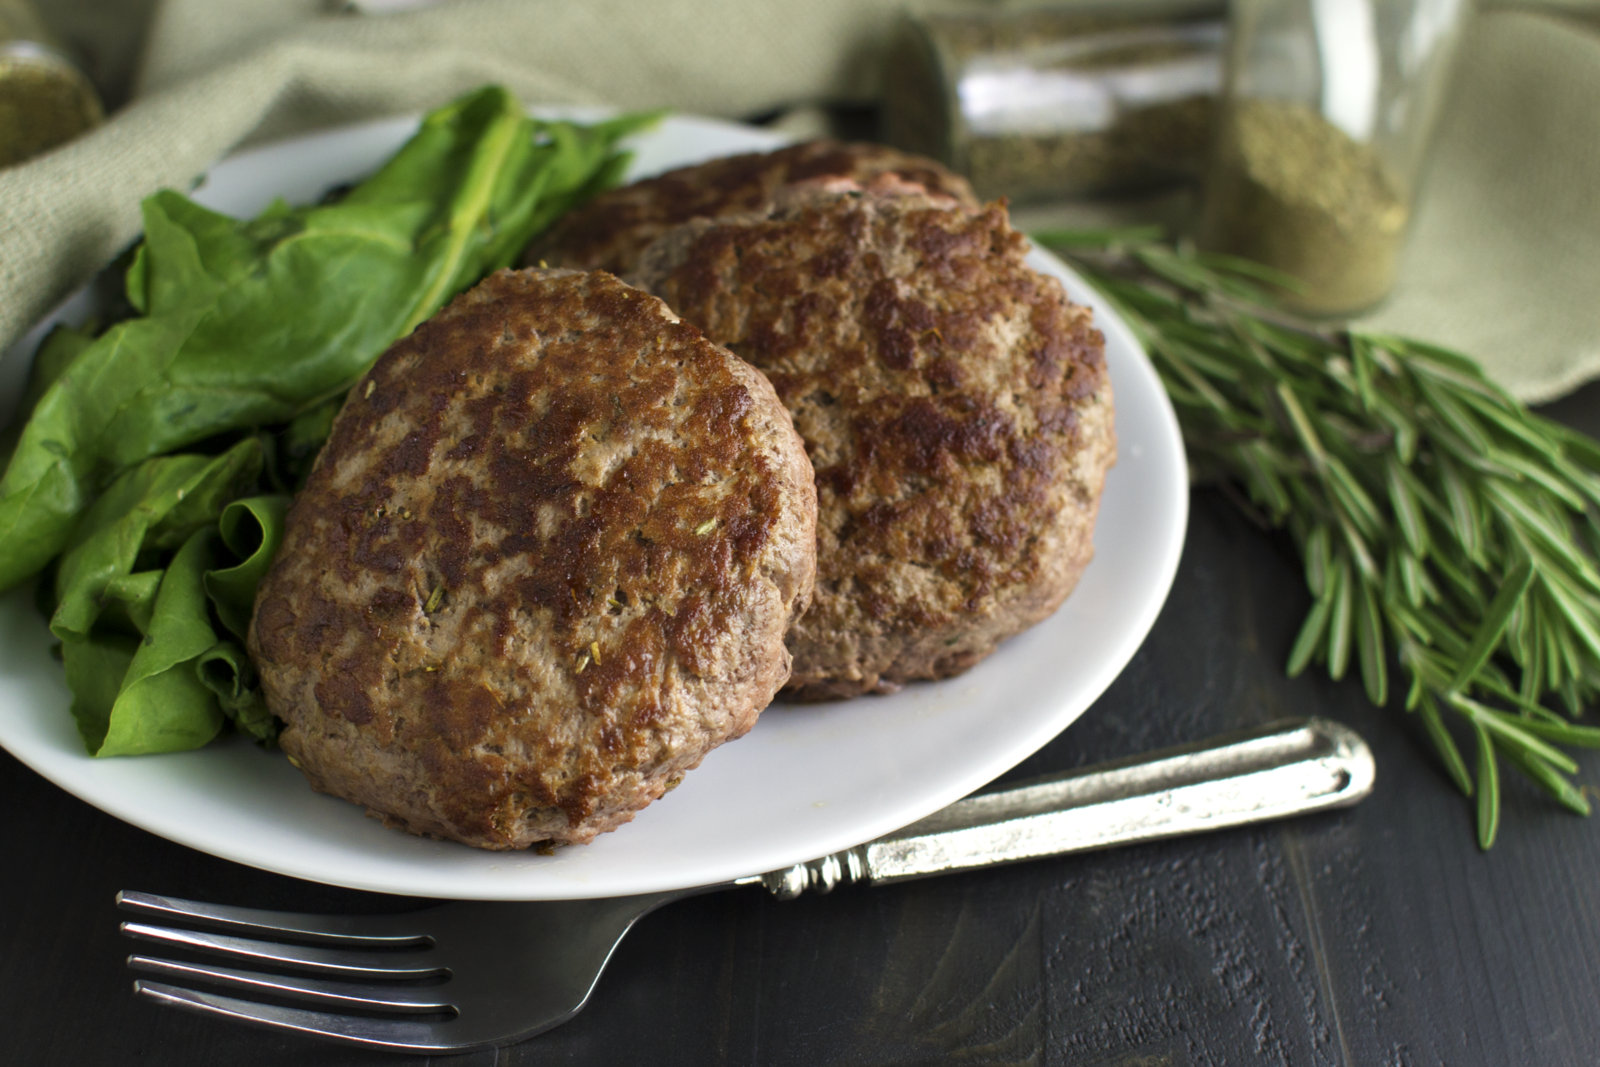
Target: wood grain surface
{"x":1379,"y":936}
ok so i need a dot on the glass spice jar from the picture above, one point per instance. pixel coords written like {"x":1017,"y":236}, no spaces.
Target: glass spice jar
{"x":1059,"y":100}
{"x":45,"y":100}
{"x":1321,"y":137}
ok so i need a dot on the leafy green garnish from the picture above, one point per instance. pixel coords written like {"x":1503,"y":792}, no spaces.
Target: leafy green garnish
{"x":245,"y":336}
{"x":148,"y":511}
{"x":161,"y":704}
{"x":249,"y":323}
{"x":1442,"y":525}
{"x":250,"y":529}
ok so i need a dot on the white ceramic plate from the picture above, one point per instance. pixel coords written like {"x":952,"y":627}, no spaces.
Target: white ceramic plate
{"x":806,"y":781}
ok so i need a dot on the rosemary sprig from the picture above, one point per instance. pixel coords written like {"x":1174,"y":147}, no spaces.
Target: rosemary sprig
{"x":1443,"y":527}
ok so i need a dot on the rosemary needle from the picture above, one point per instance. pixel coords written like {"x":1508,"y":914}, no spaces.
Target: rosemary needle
{"x":1444,"y":528}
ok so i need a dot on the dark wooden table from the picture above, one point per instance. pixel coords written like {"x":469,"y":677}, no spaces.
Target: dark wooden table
{"x":1377,"y":936}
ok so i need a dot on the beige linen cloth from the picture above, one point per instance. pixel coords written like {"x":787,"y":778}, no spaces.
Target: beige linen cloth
{"x":1504,"y":260}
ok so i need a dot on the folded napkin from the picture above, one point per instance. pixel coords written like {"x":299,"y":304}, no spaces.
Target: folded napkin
{"x":1504,"y":260}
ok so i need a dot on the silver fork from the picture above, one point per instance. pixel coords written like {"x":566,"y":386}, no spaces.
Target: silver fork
{"x":462,"y":976}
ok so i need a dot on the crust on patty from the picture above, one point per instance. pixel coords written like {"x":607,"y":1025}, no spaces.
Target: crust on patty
{"x":612,"y":230}
{"x":544,"y":564}
{"x":954,"y":403}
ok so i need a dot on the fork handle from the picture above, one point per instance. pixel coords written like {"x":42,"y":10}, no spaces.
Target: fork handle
{"x":1288,"y":767}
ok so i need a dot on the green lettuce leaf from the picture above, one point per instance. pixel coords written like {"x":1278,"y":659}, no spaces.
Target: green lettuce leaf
{"x":161,"y":703}
{"x":157,"y":505}
{"x":60,"y":347}
{"x":251,"y":530}
{"x":94,"y":669}
{"x":231,"y":677}
{"x":245,"y":324}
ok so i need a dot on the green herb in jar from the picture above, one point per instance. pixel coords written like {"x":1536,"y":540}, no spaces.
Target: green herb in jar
{"x":1044,"y":103}
{"x":1289,"y":189}
{"x":44,"y":102}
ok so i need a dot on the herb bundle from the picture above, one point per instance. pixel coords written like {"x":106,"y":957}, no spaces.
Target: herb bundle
{"x":1443,"y":527}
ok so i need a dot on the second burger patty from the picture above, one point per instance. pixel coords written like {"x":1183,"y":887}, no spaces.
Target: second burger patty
{"x":954,"y":403}
{"x":610,"y":231}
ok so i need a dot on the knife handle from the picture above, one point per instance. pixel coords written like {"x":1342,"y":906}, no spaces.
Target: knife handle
{"x":1289,"y":767}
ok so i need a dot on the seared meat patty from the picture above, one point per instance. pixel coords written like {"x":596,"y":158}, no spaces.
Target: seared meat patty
{"x":544,"y":564}
{"x":954,"y":403}
{"x":611,"y":230}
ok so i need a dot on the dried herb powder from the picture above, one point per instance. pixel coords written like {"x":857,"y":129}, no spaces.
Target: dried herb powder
{"x":1044,"y":103}
{"x":44,"y":102}
{"x":1289,"y":189}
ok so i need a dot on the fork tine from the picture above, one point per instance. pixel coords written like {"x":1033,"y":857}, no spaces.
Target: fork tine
{"x":382,"y":1033}
{"x":335,"y":994}
{"x":338,"y":929}
{"x":330,"y":961}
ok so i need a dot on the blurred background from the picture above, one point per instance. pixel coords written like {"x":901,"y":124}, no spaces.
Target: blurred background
{"x":1424,"y":166}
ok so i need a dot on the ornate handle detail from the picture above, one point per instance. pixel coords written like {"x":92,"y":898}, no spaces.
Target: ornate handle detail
{"x":819,"y":876}
{"x":1284,"y":768}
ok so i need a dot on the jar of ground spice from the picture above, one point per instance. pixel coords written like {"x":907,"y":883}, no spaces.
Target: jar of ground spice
{"x":1051,"y":100}
{"x":1320,"y":140}
{"x":45,"y":99}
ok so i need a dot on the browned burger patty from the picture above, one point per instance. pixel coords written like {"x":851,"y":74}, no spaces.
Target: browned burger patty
{"x":955,"y":405}
{"x":611,"y":230}
{"x":544,"y":564}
